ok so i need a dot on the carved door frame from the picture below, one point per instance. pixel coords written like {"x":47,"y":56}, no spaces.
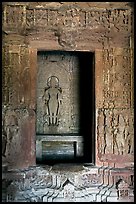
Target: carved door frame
{"x":36,"y":46}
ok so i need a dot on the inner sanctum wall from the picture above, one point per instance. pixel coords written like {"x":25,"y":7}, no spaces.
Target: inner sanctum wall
{"x":102,"y":28}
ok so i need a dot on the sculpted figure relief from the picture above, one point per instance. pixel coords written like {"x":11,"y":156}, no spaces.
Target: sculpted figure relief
{"x":52,"y":101}
{"x":10,"y":130}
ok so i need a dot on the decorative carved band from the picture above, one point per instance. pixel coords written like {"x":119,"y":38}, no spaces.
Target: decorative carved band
{"x":20,"y":16}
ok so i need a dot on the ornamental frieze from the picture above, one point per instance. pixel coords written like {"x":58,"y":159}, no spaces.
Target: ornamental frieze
{"x":18,"y":17}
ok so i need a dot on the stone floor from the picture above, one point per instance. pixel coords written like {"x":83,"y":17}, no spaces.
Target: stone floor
{"x":62,"y":183}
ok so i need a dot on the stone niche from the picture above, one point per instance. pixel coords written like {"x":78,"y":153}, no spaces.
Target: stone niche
{"x":102,"y":28}
{"x":64,"y":106}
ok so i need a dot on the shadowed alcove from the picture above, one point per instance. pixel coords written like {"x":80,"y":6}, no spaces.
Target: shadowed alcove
{"x":65,"y":107}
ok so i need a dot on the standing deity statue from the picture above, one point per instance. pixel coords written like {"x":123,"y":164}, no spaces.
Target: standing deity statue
{"x":52,"y":100}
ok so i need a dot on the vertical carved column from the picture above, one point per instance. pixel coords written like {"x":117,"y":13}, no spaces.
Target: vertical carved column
{"x":115,"y":116}
{"x":18,"y":117}
{"x":6,"y":73}
{"x":16,"y":76}
{"x":117,"y":78}
{"x":11,"y":69}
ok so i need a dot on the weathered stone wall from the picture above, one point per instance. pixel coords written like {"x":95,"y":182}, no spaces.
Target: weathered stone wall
{"x":103,"y":28}
{"x":69,"y":183}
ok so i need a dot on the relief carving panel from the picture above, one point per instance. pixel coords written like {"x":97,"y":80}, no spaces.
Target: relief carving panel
{"x":14,"y":17}
{"x":115,"y":131}
{"x":117,"y":78}
{"x":16,"y":124}
{"x":77,"y":17}
{"x":110,"y":25}
{"x":57,"y":95}
{"x":10,"y":134}
{"x":16,"y":75}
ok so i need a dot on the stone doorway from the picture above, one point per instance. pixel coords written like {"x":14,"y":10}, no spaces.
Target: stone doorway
{"x":65,"y":113}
